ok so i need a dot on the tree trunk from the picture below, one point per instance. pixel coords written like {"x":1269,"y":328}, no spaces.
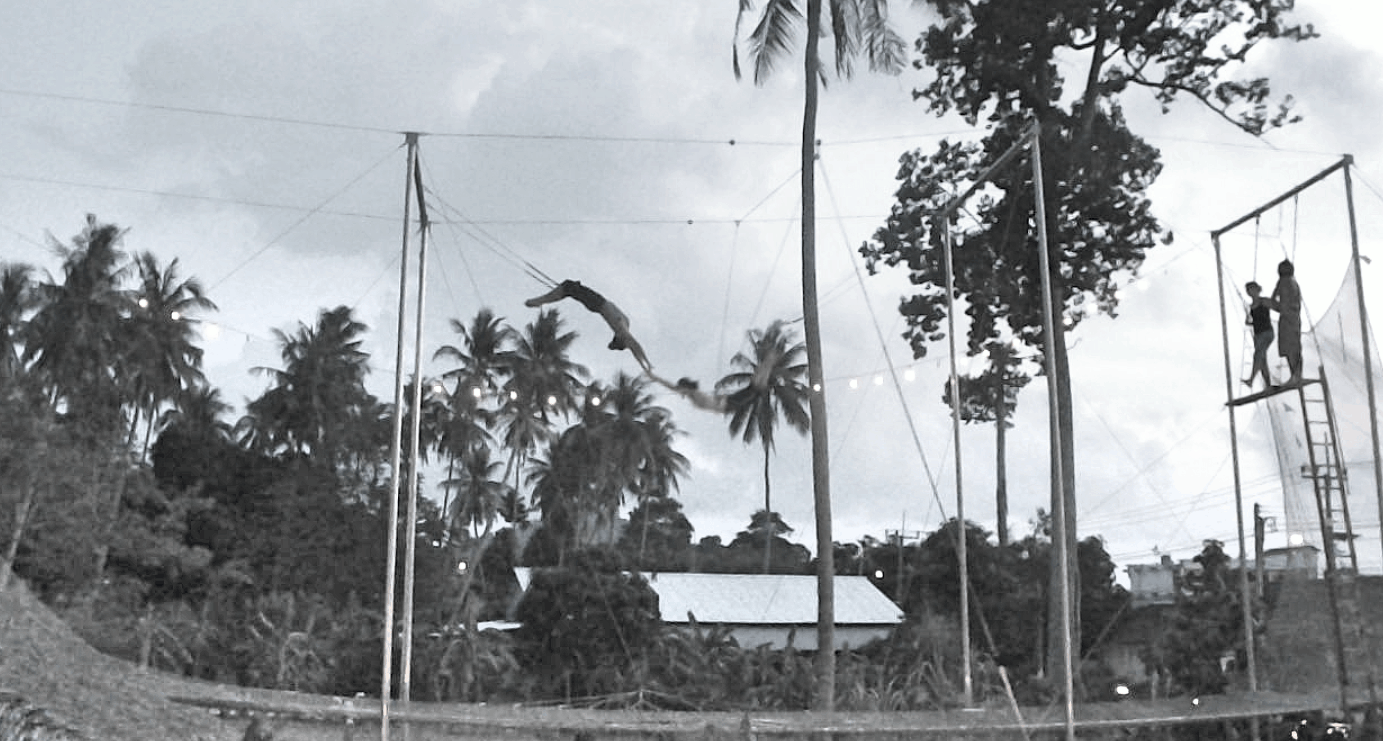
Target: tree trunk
{"x":1000,"y":455}
{"x":643,"y":531}
{"x":22,"y":508}
{"x":768,"y":517}
{"x":824,"y":697}
{"x":148,"y":435}
{"x":146,"y":636}
{"x":468,"y":577}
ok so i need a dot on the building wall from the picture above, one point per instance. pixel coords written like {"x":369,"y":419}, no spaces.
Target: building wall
{"x":803,"y":636}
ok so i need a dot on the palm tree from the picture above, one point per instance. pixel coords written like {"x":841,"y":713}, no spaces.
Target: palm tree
{"x":199,"y":412}
{"x":858,"y":27}
{"x":320,"y":390}
{"x":768,"y":385}
{"x":485,"y":358}
{"x":634,"y":437}
{"x":17,"y":299}
{"x":513,"y":508}
{"x":480,"y":492}
{"x":990,"y":397}
{"x":544,"y":383}
{"x":160,"y":339}
{"x":75,"y":346}
{"x":74,"y":338}
{"x":485,"y":361}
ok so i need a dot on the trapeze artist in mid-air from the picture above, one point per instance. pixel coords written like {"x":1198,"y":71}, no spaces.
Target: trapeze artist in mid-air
{"x":619,"y":323}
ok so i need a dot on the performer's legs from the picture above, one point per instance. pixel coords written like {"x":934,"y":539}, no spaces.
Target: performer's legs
{"x":556,"y":294}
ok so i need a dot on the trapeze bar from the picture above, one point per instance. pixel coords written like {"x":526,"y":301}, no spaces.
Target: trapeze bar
{"x":1270,"y":391}
{"x":1344,"y":161}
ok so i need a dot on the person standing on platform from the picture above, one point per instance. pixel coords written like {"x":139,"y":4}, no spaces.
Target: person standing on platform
{"x":1260,"y":318}
{"x":1286,"y":299}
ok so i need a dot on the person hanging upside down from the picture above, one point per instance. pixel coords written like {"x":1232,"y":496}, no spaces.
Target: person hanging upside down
{"x":623,"y":339}
{"x":1286,"y":299}
{"x":1262,"y":322}
{"x":691,"y":391}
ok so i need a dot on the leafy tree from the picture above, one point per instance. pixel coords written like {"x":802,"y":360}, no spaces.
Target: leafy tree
{"x":769,"y":385}
{"x":998,"y":60}
{"x":513,"y":508}
{"x":990,"y":397}
{"x":660,"y":534}
{"x":585,"y":625}
{"x":765,"y":535}
{"x":1206,"y":625}
{"x":859,"y":28}
{"x":37,"y":465}
{"x":480,"y":492}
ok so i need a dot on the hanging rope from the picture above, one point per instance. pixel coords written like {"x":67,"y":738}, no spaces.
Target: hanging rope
{"x":725,"y":306}
{"x":1256,"y":232}
{"x":496,"y":245}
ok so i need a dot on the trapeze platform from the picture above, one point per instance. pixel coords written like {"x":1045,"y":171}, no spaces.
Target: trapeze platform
{"x":1270,"y":391}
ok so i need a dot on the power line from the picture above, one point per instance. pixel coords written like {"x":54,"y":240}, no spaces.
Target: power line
{"x":187,"y":110}
{"x":188,"y":196}
{"x":685,"y":221}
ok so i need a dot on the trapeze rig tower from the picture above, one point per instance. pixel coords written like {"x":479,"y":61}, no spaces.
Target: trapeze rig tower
{"x":1325,"y":464}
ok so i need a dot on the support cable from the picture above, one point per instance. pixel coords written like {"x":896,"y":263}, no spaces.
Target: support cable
{"x":310,"y":213}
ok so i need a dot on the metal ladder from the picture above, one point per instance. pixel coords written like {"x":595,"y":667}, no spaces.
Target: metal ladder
{"x":1329,"y":477}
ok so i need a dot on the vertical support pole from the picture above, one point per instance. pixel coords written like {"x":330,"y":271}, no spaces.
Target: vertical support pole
{"x":411,"y":547}
{"x":1245,"y":595}
{"x":1053,"y":413}
{"x":1368,"y":375}
{"x":1364,"y":334}
{"x":1260,"y":527}
{"x":967,"y":692}
{"x":395,"y":452}
{"x":824,"y":696}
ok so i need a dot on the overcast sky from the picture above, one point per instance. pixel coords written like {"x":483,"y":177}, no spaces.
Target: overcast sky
{"x":608,"y":141}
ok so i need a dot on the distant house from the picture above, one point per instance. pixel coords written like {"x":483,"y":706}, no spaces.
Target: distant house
{"x":1153,"y":590}
{"x":1156,"y":583}
{"x":769,"y":608}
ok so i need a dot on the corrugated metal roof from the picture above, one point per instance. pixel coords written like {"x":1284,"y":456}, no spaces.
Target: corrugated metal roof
{"x":772,"y":599}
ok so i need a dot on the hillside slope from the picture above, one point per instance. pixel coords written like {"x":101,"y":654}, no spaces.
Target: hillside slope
{"x":103,"y":697}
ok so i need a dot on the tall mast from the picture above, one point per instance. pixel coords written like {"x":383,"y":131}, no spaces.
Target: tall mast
{"x":396,"y":449}
{"x":1364,"y":334}
{"x":967,"y":691}
{"x":415,"y":435}
{"x":1063,"y":555}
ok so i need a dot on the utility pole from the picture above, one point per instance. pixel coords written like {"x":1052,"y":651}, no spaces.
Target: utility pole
{"x":899,"y":538}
